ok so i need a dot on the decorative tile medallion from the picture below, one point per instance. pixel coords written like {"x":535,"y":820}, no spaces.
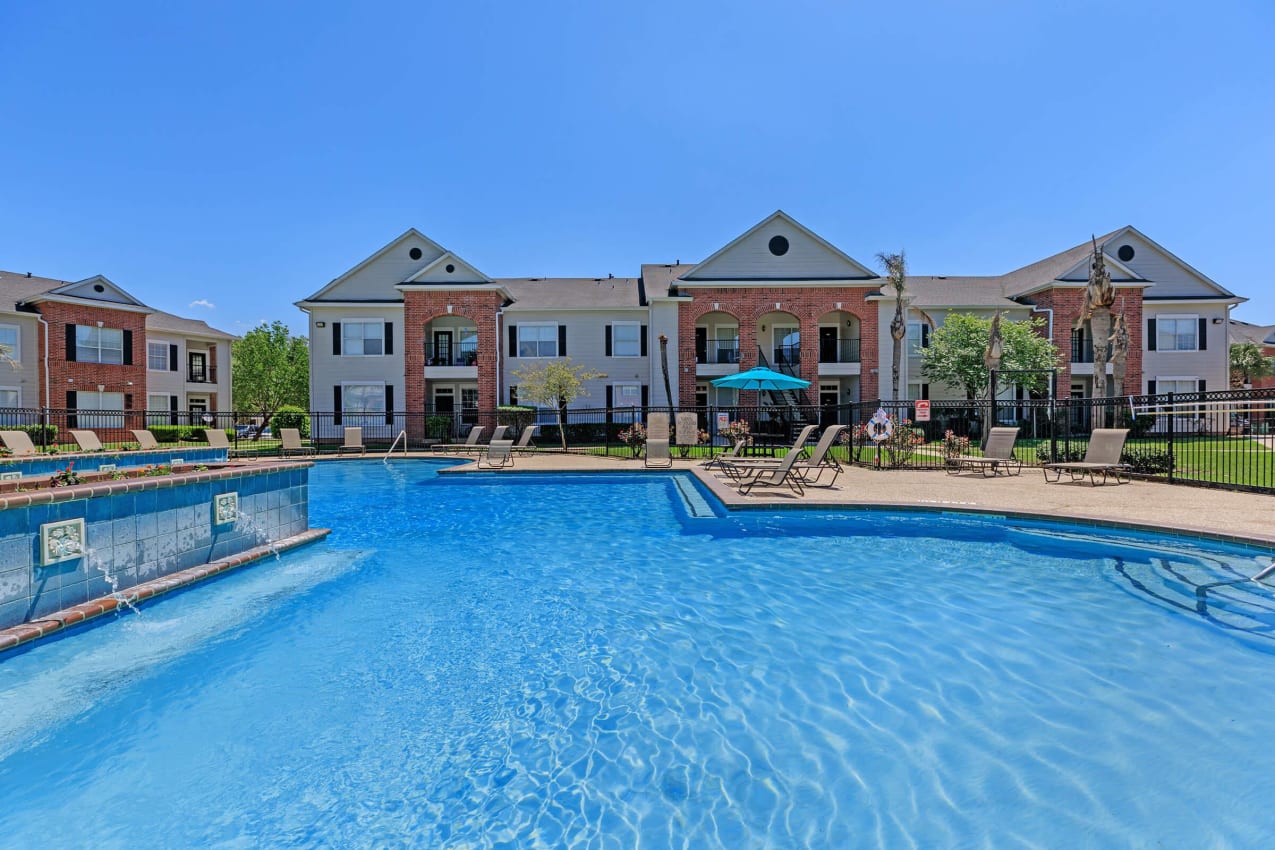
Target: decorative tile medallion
{"x":176,"y":461}
{"x":10,"y":476}
{"x":106,"y":467}
{"x":61,"y":541}
{"x":225,"y":508}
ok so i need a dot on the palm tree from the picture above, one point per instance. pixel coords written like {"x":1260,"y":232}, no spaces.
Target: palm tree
{"x":1099,"y":296}
{"x":896,"y":271}
{"x":1119,"y":352}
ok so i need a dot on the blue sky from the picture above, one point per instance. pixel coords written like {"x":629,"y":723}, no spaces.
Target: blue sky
{"x":243,"y":154}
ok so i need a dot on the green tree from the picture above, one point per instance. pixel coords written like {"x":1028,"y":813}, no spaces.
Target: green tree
{"x":955,"y":353}
{"x":557,"y":383}
{"x":1248,"y":363}
{"x":270,"y":368}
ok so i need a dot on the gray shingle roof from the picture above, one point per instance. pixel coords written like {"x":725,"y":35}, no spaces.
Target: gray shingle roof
{"x":552,"y":293}
{"x":1246,"y":332}
{"x":15,"y":287}
{"x":176,"y":324}
{"x":935,"y":292}
{"x":1041,"y":272}
{"x":659,"y":276}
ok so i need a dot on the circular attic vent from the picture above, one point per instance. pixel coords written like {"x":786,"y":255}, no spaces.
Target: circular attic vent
{"x":415,"y":253}
{"x":450,"y":268}
{"x":778,"y":245}
{"x":97,"y":287}
{"x":1125,"y":253}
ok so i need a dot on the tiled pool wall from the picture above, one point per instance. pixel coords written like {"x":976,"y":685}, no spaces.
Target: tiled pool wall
{"x":141,"y":529}
{"x":88,"y":462}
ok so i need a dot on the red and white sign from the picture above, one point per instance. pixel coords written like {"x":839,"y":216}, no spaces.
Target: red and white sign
{"x":922,"y":411}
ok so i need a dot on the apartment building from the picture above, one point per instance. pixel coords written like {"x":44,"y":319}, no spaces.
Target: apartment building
{"x":91,"y":346}
{"x":416,"y":328}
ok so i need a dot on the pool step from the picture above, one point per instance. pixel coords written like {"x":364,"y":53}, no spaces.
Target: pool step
{"x":697,"y":507}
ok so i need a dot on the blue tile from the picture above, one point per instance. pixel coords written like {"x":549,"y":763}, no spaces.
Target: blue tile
{"x":13,"y":613}
{"x":15,"y":585}
{"x":14,"y":521}
{"x":123,"y":506}
{"x":146,"y":526}
{"x":46,"y":603}
{"x":124,"y":530}
{"x":15,"y":551}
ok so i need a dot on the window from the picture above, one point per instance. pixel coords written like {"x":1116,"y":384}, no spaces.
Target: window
{"x":157,"y":356}
{"x":10,"y":397}
{"x":918,"y":338}
{"x":362,"y":338}
{"x":9,"y":339}
{"x":537,"y":340}
{"x":626,"y":395}
{"x":158,"y":410}
{"x":95,"y":401}
{"x":626,"y":339}
{"x":99,"y":345}
{"x":363,"y":398}
{"x":918,"y":389}
{"x":1177,"y":333}
{"x":1177,"y":385}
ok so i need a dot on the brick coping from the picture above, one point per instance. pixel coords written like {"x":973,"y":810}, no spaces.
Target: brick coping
{"x":24,"y":633}
{"x":226,"y":469}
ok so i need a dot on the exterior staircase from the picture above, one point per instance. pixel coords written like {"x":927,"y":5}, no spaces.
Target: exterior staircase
{"x":800,"y":410}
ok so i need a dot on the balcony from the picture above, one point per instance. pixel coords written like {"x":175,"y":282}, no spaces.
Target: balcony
{"x":455,"y":354}
{"x":201,"y":375}
{"x":718,"y":351}
{"x":1082,"y":351}
{"x":839,"y":351}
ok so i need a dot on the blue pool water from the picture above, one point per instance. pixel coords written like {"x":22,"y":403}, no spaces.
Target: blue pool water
{"x":613,"y":662}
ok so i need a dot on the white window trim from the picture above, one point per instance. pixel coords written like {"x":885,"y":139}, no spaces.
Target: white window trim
{"x":17,"y":348}
{"x":922,"y":342}
{"x":99,"y":348}
{"x":167,"y":355}
{"x":17,"y":390}
{"x":356,"y":321}
{"x":637,"y":385}
{"x":554,"y":325}
{"x":1176,"y":316}
{"x":637,"y":325}
{"x":345,"y":412}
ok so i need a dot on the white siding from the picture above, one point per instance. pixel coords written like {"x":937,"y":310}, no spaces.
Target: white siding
{"x":1212,"y":364}
{"x":751,"y":258}
{"x":586,"y":346}
{"x":1170,"y":277}
{"x":663,"y":320}
{"x":24,"y":374}
{"x":376,"y":280}
{"x":461,"y":272}
{"x":327,"y":370}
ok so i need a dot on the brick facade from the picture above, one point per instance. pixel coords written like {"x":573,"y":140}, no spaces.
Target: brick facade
{"x":1067,"y":305}
{"x":422,"y":306}
{"x":74,"y":376}
{"x":748,"y":305}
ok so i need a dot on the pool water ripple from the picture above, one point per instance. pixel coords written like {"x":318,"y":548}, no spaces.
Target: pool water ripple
{"x":524,"y":662}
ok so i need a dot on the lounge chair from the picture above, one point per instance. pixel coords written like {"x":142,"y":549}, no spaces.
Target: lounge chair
{"x":18,"y":442}
{"x":498,"y":454}
{"x":145,"y":439}
{"x":524,"y":443}
{"x":999,"y":455}
{"x":657,"y":453}
{"x":86,"y":440}
{"x":782,"y":475}
{"x":726,"y":457}
{"x":687,"y":432}
{"x":811,"y":469}
{"x":292,"y":444}
{"x":499,"y":433}
{"x":353,"y":440}
{"x":216,"y":438}
{"x":1102,"y":457}
{"x":470,"y":444}
{"x":731,"y":470}
{"x":657,"y":427}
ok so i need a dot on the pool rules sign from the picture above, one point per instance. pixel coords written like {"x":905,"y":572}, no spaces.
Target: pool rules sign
{"x":922,"y":411}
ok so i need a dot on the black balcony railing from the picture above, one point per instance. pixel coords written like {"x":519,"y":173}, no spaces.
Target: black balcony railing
{"x":1082,"y":351}
{"x":718,"y":351}
{"x":787,"y":355}
{"x":839,"y":350}
{"x":453,"y":354}
{"x":201,"y":375}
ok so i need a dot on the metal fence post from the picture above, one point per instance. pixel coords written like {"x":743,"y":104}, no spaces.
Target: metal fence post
{"x":1172,"y":461}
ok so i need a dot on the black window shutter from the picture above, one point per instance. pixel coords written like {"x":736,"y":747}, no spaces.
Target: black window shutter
{"x":562,"y":340}
{"x":610,"y":396}
{"x":70,"y":343}
{"x":1202,"y":385}
{"x":925,"y":336}
{"x":513,"y":395}
{"x":925,"y":388}
{"x":389,"y":398}
{"x":389,"y":341}
{"x":128,"y":401}
{"x":646,"y":396}
{"x":642,"y":332}
{"x":128,"y":348}
{"x":172,"y":410}
{"x":608,"y":340}
{"x":1204,"y":338}
{"x":336,"y":337}
{"x":336,"y":405}
{"x":513,"y":340}
{"x":1151,"y":386}
{"x":72,"y":421}
{"x":1150,"y":334}
{"x":172,"y":358}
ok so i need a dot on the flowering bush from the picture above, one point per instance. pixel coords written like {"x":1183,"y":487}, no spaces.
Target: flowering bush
{"x":702,"y":437}
{"x":738,"y":430}
{"x":954,"y":446}
{"x":65,"y":477}
{"x":634,"y":437}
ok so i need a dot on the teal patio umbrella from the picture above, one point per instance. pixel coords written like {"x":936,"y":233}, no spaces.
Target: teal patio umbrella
{"x":761,"y":378}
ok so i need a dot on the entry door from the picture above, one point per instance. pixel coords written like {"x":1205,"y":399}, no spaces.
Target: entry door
{"x":198,"y":362}
{"x":701,"y":345}
{"x":829,"y":398}
{"x":444,"y":400}
{"x":828,"y":346}
{"x":442,"y":348}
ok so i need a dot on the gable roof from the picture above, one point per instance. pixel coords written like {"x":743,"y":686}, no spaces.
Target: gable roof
{"x":410,"y":233}
{"x":19,"y":290}
{"x":168,"y":323}
{"x":853,"y":268}
{"x":1248,"y":332}
{"x":436,"y":272}
{"x":1043,"y":273}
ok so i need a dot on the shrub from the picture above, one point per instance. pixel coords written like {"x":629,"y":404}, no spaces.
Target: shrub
{"x":1064,"y":455}
{"x":289,"y":416}
{"x":167,"y":433}
{"x":438,"y":427}
{"x":1148,"y":461}
{"x":517,"y":417}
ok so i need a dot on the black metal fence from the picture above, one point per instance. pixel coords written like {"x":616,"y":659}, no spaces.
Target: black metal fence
{"x":1219,"y":439}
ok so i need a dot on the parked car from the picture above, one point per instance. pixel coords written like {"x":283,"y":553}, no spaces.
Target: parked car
{"x":249,"y":432}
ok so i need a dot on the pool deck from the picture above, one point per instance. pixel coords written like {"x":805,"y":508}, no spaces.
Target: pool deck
{"x":1222,"y":514}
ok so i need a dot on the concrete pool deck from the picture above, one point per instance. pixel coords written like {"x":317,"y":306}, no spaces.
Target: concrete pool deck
{"x":1221,"y":514}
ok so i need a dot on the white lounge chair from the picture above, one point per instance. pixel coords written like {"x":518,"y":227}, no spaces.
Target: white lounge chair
{"x":18,"y":442}
{"x":86,"y":440}
{"x":498,"y":454}
{"x":782,"y":475}
{"x":470,"y":444}
{"x":353,"y":441}
{"x":145,"y":439}
{"x":1102,"y":457}
{"x":997,"y":456}
{"x":292,"y":444}
{"x":524,"y":443}
{"x":657,"y":453}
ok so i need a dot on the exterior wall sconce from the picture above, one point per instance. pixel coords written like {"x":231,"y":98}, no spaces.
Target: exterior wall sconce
{"x":320,"y":324}
{"x":763,"y":328}
{"x":1217,"y":321}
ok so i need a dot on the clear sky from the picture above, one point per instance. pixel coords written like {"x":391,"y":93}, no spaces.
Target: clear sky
{"x":224,"y":159}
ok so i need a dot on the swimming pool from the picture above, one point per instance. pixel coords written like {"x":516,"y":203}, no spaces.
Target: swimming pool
{"x":599,"y":661}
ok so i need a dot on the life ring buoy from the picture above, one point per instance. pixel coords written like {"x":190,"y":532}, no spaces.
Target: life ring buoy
{"x":880,"y":427}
